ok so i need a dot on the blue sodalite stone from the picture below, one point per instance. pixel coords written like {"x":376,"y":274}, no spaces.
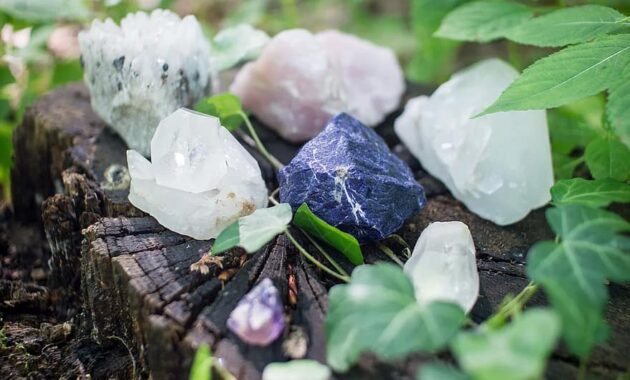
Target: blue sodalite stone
{"x":349,"y":178}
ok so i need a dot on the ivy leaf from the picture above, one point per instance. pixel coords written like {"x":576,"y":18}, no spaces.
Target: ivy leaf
{"x":440,"y":371}
{"x":297,"y":369}
{"x":568,"y":26}
{"x":201,"y":368}
{"x":320,"y":229}
{"x":570,"y":74}
{"x":45,"y":10}
{"x":483,"y":21}
{"x":591,"y":250}
{"x":227,"y":107}
{"x":378,"y":312}
{"x":607,"y":157}
{"x":596,"y":193}
{"x":618,"y":110}
{"x":235,"y":44}
{"x":513,"y":352}
{"x":253,"y":231}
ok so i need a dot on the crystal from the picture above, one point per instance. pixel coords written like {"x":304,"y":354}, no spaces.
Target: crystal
{"x":140,"y":72}
{"x":443,"y":266}
{"x":201,"y":179}
{"x":498,"y":165}
{"x":258,"y":319}
{"x":301,"y":80}
{"x":349,"y":178}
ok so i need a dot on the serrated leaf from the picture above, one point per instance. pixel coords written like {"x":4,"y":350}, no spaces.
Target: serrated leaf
{"x":570,"y":74}
{"x":378,"y":312}
{"x":568,"y":26}
{"x":608,"y":158}
{"x":483,"y":21}
{"x":227,"y":107}
{"x":297,"y":369}
{"x":569,"y":130}
{"x":201,"y":368}
{"x":253,"y":231}
{"x":318,"y":228}
{"x":618,"y":110}
{"x":236,"y":44}
{"x":517,"y":351}
{"x":595,"y":193}
{"x":45,"y":10}
{"x":440,"y":371}
{"x":591,"y":249}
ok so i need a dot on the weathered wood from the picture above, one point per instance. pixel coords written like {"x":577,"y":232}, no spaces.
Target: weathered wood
{"x":136,"y":281}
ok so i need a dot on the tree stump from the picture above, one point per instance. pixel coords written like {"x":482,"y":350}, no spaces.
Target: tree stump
{"x":135,"y":279}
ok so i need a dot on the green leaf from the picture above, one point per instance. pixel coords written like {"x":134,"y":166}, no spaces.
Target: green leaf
{"x":591,"y":249}
{"x":253,"y":231}
{"x":608,"y":158}
{"x":236,"y":44}
{"x":202,"y":364}
{"x":66,"y":72}
{"x":45,"y":10}
{"x":227,"y":107}
{"x":378,"y":312}
{"x":517,"y":351}
{"x":569,"y":130}
{"x":570,"y":74}
{"x":342,"y":241}
{"x":596,"y":193}
{"x":6,"y":153}
{"x":564,"y":166}
{"x":568,"y":26}
{"x":297,"y":369}
{"x":483,"y":21}
{"x":440,"y":371}
{"x":618,"y":110}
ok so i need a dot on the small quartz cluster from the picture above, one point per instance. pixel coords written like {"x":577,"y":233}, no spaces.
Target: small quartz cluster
{"x":143,"y":70}
{"x":443,"y":266}
{"x":200,"y":179}
{"x":349,"y":178}
{"x":258,"y":319}
{"x":301,"y":80}
{"x":498,"y":165}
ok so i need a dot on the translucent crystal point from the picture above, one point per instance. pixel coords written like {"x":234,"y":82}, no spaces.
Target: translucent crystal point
{"x":443,"y":266}
{"x":201,"y":179}
{"x":498,"y":165}
{"x":258,"y":319}
{"x":301,"y":80}
{"x":144,"y":69}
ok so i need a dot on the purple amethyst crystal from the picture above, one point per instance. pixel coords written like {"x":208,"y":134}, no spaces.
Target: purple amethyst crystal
{"x":349,"y":178}
{"x":258,"y":318}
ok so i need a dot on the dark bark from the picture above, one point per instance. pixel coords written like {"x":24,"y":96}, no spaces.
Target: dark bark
{"x":135,"y":279}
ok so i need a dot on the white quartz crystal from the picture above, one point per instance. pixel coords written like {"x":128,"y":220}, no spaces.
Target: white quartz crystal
{"x":144,"y":69}
{"x":201,"y":179}
{"x":443,"y":266}
{"x":301,"y":80}
{"x":498,"y":165}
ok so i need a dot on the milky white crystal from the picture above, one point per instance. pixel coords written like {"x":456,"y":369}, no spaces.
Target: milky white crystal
{"x":443,"y":266}
{"x":498,"y":165}
{"x":200,"y":179}
{"x":301,"y":80}
{"x":144,"y":69}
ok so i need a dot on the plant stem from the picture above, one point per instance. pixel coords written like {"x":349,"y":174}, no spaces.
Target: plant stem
{"x":321,"y":266}
{"x":581,"y":375}
{"x":324,"y":253}
{"x":401,"y":241}
{"x":513,"y":307}
{"x":261,"y":148}
{"x":385,"y":249}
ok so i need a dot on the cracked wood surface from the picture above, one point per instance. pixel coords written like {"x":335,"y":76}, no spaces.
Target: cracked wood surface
{"x":135,"y":280}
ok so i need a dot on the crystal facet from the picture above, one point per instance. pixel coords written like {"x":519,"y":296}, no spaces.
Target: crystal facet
{"x":258,"y":319}
{"x":349,"y":178}
{"x":301,"y":80}
{"x":201,"y":179}
{"x":498,"y":165}
{"x":140,"y":72}
{"x":443,"y":266}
